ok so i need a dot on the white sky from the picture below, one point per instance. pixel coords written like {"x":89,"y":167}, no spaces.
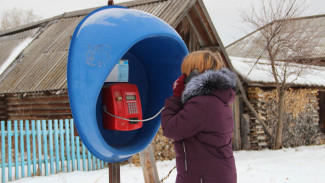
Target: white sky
{"x":224,"y":13}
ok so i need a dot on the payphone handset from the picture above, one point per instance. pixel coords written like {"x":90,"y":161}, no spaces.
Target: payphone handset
{"x":122,"y":100}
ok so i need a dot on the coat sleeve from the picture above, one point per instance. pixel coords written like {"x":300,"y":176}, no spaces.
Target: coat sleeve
{"x":180,"y":122}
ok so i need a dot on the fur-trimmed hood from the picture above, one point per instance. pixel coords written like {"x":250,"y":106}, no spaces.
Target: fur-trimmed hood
{"x":209,"y":82}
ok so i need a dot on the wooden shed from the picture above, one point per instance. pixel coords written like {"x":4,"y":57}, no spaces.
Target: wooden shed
{"x":33,"y":57}
{"x":304,"y":102}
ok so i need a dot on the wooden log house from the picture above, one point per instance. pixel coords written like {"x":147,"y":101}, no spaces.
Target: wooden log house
{"x":33,"y":86}
{"x":304,"y":119}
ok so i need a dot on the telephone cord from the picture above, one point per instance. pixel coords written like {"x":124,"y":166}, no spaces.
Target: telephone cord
{"x":132,"y":120}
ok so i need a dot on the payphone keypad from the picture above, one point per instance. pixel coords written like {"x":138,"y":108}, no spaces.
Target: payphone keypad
{"x":132,"y":107}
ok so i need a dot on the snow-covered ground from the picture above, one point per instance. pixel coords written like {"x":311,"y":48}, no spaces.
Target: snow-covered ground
{"x":292,"y":165}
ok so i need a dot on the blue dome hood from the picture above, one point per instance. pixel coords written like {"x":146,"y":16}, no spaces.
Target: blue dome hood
{"x":155,"y":52}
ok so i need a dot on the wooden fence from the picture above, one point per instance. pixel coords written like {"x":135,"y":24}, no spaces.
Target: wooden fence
{"x":42,"y":147}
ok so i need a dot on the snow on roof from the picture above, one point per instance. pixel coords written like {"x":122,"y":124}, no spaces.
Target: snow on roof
{"x":259,"y":71}
{"x":14,"y":54}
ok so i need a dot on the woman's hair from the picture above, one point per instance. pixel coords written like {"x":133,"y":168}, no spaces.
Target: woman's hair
{"x":202,"y":61}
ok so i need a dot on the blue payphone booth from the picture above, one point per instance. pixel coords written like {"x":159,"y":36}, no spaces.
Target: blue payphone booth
{"x":153,"y":51}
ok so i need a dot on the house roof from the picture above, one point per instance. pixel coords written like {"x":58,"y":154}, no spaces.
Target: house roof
{"x":41,"y":65}
{"x":313,"y":26}
{"x":250,"y":60}
{"x":258,"y":73}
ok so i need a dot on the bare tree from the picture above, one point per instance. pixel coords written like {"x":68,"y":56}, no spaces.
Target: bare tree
{"x":282,"y":43}
{"x":15,"y":17}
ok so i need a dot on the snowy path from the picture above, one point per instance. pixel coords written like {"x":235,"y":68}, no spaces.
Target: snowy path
{"x":293,"y":165}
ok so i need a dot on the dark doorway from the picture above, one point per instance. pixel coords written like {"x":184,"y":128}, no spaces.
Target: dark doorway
{"x":322,"y":111}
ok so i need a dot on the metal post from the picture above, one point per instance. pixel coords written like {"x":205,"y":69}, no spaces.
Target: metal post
{"x":114,"y":172}
{"x":110,"y":2}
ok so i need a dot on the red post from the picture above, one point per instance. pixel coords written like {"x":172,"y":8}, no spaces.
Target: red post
{"x":110,"y":2}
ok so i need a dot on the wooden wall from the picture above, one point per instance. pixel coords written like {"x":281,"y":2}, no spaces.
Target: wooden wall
{"x":301,"y":117}
{"x":258,"y":139}
{"x":185,"y":30}
{"x":3,"y":108}
{"x":322,"y":111}
{"x":35,"y":106}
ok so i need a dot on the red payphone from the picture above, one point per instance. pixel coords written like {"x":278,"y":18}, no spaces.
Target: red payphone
{"x":121,"y":100}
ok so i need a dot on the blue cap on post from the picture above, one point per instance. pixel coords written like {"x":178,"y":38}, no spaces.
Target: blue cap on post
{"x":155,"y":52}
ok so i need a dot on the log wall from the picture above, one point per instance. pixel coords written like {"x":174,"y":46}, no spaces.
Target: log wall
{"x":322,"y":111}
{"x":3,"y":109}
{"x":301,"y":117}
{"x":37,"y":106}
{"x":258,"y":137}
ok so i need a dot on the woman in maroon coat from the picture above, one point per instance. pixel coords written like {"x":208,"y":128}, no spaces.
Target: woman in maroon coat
{"x":198,"y":117}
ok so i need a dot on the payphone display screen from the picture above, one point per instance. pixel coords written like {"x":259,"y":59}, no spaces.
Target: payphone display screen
{"x":130,"y":97}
